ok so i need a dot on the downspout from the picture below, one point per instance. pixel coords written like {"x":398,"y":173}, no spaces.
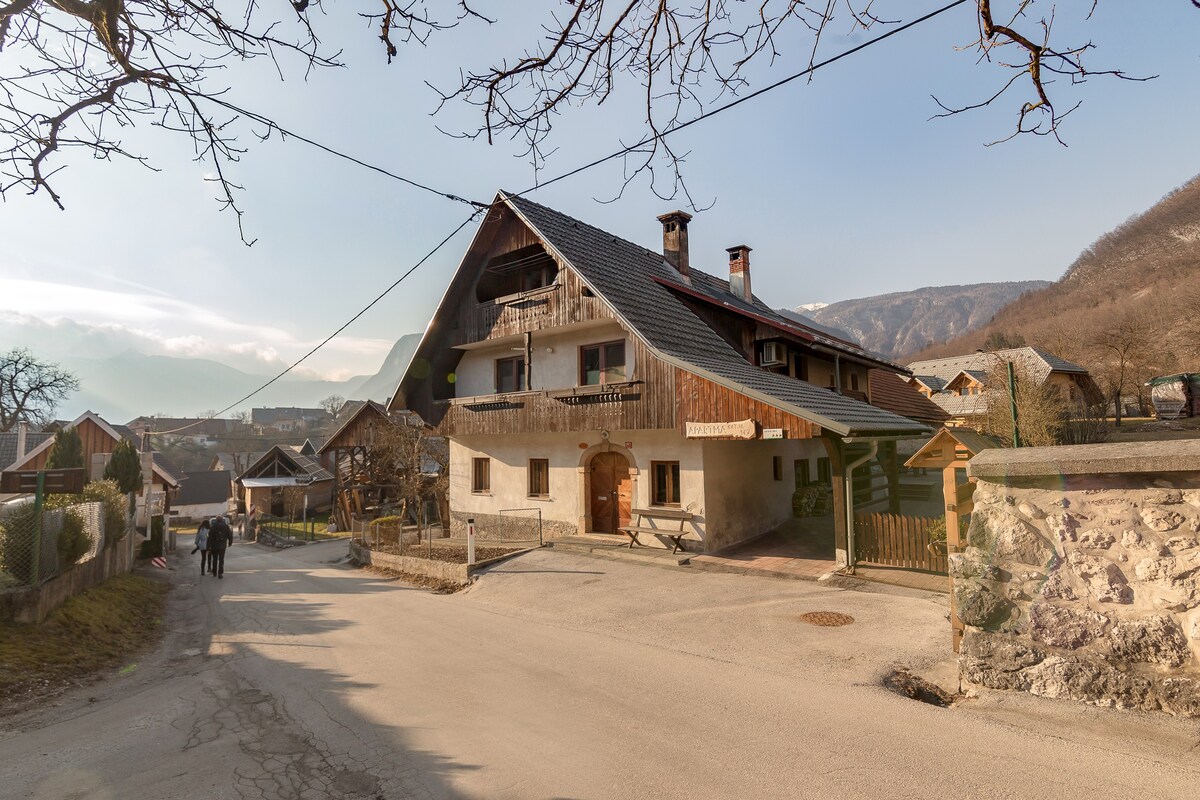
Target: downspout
{"x":849,"y":479}
{"x":837,"y":372}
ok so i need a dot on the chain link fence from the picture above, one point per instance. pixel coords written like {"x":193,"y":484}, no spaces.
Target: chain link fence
{"x":37,"y":544}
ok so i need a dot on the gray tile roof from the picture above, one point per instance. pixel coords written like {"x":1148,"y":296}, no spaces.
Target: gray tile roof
{"x":201,"y":488}
{"x":8,"y":445}
{"x":1038,"y":364}
{"x":631,"y":278}
{"x":303,"y":465}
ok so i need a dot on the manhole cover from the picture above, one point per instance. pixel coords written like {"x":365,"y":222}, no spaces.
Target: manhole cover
{"x":826,"y":619}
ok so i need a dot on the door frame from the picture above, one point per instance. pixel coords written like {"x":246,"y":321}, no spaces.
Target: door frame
{"x":585,"y":480}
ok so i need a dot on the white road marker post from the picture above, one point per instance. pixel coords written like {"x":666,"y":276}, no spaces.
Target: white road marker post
{"x":471,"y":542}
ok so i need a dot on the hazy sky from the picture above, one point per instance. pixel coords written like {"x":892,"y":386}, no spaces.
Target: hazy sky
{"x":842,"y":186}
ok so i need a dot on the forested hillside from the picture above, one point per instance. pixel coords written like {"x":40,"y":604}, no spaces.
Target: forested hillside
{"x":1128,"y":308}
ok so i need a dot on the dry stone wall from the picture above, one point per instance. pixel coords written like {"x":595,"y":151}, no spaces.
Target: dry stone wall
{"x":1083,"y":586}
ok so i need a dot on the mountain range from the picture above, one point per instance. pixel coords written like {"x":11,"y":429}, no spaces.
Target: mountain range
{"x":901,"y":323}
{"x":1126,"y":308}
{"x":131,"y":384}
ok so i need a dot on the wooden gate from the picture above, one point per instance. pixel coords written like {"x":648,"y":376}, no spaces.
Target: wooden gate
{"x":896,"y":541}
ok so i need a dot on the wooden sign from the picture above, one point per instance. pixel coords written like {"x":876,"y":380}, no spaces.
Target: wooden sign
{"x":746,"y":429}
{"x":57,"y":481}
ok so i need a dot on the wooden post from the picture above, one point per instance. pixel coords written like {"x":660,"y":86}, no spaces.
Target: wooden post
{"x":891,"y":467}
{"x":950,"y":495}
{"x":837,"y":469}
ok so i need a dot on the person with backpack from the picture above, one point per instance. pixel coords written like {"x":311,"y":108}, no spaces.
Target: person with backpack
{"x":202,"y":543}
{"x":220,"y":536}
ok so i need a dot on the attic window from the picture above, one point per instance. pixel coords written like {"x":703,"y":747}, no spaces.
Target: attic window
{"x":522,"y":270}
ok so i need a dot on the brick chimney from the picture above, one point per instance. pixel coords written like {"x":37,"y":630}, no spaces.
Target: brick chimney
{"x":739,"y":272}
{"x":675,"y":239}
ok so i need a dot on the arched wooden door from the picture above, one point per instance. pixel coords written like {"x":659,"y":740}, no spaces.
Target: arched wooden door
{"x":611,"y":491}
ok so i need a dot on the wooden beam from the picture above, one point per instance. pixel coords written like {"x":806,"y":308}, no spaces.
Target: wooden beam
{"x":953,"y":545}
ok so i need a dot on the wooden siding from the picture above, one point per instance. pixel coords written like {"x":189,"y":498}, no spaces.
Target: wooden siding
{"x":647,"y":403}
{"x":701,"y":400}
{"x":94,"y":439}
{"x":356,"y":433}
{"x":561,"y":304}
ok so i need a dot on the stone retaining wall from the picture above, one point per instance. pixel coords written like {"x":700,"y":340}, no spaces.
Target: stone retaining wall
{"x":1080,"y":575}
{"x":454,"y":573}
{"x":509,"y":527}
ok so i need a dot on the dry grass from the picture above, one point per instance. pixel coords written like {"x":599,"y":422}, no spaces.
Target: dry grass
{"x":99,"y":629}
{"x":1151,"y":430}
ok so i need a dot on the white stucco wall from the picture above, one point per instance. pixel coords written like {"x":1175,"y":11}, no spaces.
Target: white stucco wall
{"x":567,"y":502}
{"x":728,"y":486}
{"x":743,"y":498}
{"x":559,"y":369}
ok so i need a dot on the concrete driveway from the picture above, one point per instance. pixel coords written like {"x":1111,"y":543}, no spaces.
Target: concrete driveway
{"x":560,"y":676}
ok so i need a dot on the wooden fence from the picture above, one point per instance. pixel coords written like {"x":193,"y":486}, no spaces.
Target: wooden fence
{"x":897,"y":541}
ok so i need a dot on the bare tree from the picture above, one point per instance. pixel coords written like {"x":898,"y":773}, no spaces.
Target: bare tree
{"x":31,"y":389}
{"x":78,"y":72}
{"x":1041,"y":408}
{"x":333,"y":404}
{"x":1124,"y":355}
{"x":409,"y":457}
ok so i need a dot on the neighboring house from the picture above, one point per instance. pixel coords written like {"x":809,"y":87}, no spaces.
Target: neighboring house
{"x":282,"y":468}
{"x":345,"y":453}
{"x":586,"y":376}
{"x":1174,"y":396}
{"x":192,"y":430}
{"x":235,"y":464}
{"x":99,"y":439}
{"x":15,"y":444}
{"x":203,"y":495}
{"x":959,"y":384}
{"x":288,"y":420}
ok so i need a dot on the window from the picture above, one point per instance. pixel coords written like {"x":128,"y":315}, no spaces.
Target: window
{"x":803,"y":476}
{"x":602,"y":363}
{"x":777,"y":467}
{"x":481,"y":475}
{"x":854,"y":381}
{"x":665,"y":482}
{"x":539,"y":477}
{"x":824,"y":473}
{"x":510,"y":375}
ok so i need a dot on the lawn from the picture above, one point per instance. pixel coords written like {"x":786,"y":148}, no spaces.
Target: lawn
{"x":315,"y":528}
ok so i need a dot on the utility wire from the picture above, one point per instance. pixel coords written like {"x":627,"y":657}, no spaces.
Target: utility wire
{"x":745,"y":98}
{"x":259,"y":118}
{"x":331,"y":336}
{"x":480,"y":207}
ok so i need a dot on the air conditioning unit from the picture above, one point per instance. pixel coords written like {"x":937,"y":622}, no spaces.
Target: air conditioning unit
{"x":774,"y":354}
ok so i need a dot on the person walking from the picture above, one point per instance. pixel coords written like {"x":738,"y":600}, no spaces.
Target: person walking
{"x":202,"y":543}
{"x":220,"y":536}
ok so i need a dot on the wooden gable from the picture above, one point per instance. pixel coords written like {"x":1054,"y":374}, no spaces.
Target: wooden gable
{"x":356,"y":431}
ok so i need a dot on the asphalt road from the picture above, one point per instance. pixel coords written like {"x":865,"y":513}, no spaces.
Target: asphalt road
{"x":560,"y":676}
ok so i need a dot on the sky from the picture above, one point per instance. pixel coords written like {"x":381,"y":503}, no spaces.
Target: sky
{"x":843,"y":186}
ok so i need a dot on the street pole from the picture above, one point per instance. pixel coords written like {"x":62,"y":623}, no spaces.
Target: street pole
{"x":304,"y":517}
{"x":1012,"y":396}
{"x":471,"y":541}
{"x":37,"y":515}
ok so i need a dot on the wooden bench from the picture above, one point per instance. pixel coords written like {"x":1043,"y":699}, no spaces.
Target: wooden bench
{"x":646,"y":515}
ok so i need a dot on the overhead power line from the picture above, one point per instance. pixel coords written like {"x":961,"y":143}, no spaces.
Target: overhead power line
{"x":480,"y":207}
{"x":331,"y":336}
{"x":746,"y":98}
{"x":259,"y":118}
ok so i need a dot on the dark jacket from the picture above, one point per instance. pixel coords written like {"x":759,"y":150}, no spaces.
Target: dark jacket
{"x":220,"y":535}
